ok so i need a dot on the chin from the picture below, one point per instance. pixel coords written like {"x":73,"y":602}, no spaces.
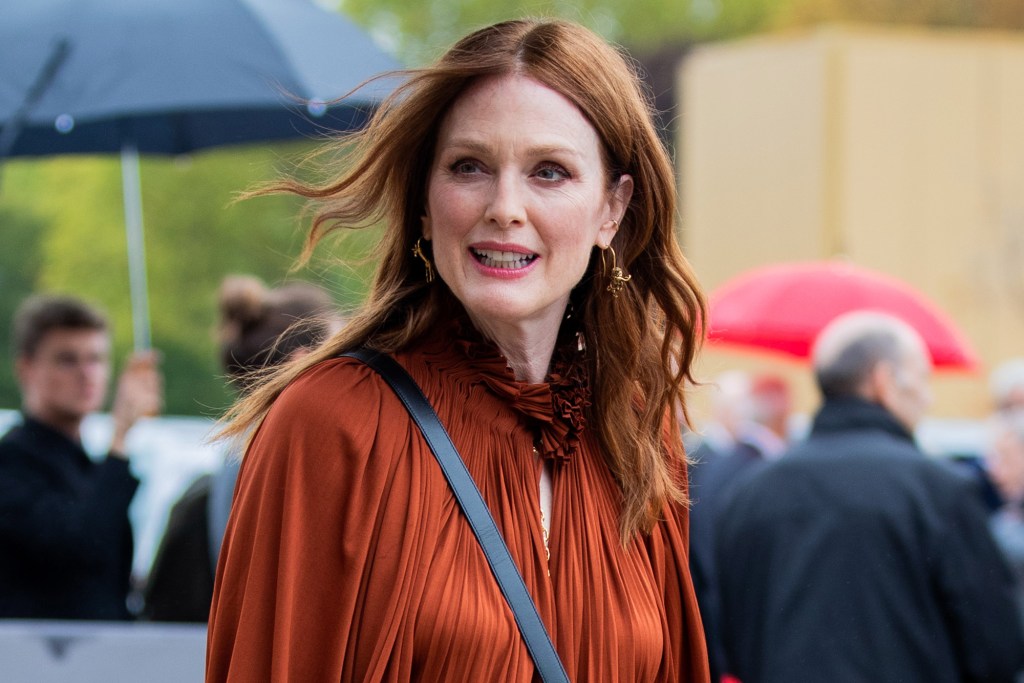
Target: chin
{"x":485,"y":318}
{"x":490,"y":309}
{"x":505,"y":310}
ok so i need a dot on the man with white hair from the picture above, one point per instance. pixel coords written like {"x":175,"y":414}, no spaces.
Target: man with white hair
{"x":854,"y":558}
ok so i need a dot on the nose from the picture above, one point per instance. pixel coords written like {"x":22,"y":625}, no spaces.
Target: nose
{"x":505,"y":207}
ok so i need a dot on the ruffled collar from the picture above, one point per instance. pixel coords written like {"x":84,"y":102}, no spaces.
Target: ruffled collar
{"x":555,"y":410}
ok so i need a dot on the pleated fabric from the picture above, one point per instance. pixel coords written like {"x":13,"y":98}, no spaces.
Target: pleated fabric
{"x":346,"y":556}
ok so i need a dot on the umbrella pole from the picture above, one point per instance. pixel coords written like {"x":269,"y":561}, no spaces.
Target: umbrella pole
{"x":131,"y":186}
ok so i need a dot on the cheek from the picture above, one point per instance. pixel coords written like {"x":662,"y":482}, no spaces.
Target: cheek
{"x":101,"y":374}
{"x":1014,"y":460}
{"x":452,"y":215}
{"x":575,"y":243}
{"x":581,"y":259}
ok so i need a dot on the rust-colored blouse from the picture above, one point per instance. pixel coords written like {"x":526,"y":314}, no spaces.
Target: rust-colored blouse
{"x":347,"y":558}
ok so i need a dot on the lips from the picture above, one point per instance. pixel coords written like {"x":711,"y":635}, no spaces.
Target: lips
{"x":503,"y":260}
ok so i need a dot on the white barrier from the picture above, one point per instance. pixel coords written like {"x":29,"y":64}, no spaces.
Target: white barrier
{"x":101,"y":652}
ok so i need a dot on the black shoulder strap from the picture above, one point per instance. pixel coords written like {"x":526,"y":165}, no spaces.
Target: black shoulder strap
{"x":545,"y":658}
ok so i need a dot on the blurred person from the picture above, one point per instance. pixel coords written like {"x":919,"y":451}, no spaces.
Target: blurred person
{"x":746,"y":413}
{"x":854,"y":557}
{"x":1006,"y":391}
{"x":772,"y":406}
{"x":731,"y":411}
{"x":1006,"y":384}
{"x":259,"y":329}
{"x":531,"y":283}
{"x":754,"y":414}
{"x":1005,"y":466}
{"x":65,"y":538}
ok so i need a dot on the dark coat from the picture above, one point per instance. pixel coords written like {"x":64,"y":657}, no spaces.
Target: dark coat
{"x":855,"y":558}
{"x":712,"y":476}
{"x":65,"y":538}
{"x":180,"y":584}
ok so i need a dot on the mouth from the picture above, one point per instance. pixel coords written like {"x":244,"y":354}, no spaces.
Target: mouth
{"x":503,"y":260}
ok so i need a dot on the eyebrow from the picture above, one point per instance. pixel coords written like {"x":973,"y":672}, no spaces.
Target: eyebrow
{"x":477,"y":147}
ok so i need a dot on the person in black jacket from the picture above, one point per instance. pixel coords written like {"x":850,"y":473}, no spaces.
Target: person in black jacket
{"x":854,"y":557}
{"x":65,"y":538}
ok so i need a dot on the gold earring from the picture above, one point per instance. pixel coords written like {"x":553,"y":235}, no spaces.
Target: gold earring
{"x":417,"y":251}
{"x":617,"y":276}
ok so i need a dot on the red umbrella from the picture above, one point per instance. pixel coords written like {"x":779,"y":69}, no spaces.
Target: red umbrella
{"x":784,"y":307}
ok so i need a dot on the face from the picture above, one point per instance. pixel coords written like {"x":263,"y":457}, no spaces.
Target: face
{"x":910,"y":396}
{"x":518,"y":196}
{"x":1006,"y":465}
{"x":66,"y":378}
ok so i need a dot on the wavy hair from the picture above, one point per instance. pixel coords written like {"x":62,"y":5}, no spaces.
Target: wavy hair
{"x":640,"y":345}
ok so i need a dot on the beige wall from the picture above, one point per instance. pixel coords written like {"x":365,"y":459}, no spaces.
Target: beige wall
{"x":902,"y":151}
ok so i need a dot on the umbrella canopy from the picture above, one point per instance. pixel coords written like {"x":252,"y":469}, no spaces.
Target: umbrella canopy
{"x":174,"y":76}
{"x":783,"y":307}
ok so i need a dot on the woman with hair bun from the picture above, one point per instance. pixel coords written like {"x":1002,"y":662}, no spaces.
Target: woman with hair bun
{"x":259,"y":329}
{"x":530,"y":282}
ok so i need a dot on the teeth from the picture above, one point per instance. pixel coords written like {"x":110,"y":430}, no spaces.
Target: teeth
{"x":503,"y":259}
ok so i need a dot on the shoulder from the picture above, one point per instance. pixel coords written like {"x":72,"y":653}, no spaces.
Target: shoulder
{"x":950,"y":482}
{"x":327,"y":392}
{"x":13,"y":441}
{"x":20,"y":453}
{"x":888,"y":458}
{"x":337,"y":394}
{"x":337,"y":412}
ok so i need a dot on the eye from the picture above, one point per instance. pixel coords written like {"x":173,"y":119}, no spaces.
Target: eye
{"x":552,"y":172}
{"x":465,"y":167}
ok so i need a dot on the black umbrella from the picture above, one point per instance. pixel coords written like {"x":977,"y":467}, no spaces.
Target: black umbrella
{"x":175,"y":76}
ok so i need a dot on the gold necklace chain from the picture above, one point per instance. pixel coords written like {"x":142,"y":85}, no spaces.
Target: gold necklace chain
{"x":544,"y":535}
{"x":543,"y":525}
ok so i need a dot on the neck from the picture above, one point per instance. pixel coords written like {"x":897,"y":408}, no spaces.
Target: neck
{"x":528,"y":348}
{"x":69,"y":426}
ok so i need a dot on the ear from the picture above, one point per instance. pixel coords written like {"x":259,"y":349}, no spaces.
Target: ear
{"x":618,"y":202}
{"x":880,"y":385}
{"x":22,"y":369}
{"x":425,"y":221}
{"x":620,"y":197}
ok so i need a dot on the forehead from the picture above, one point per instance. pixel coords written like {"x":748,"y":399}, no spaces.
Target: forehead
{"x":513,"y":106}
{"x":73,"y":341}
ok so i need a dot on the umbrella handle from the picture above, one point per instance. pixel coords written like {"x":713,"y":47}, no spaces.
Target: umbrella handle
{"x":131,"y":186}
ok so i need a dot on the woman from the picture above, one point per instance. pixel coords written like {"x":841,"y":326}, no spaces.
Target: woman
{"x":260,"y":328}
{"x":502,"y":173}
